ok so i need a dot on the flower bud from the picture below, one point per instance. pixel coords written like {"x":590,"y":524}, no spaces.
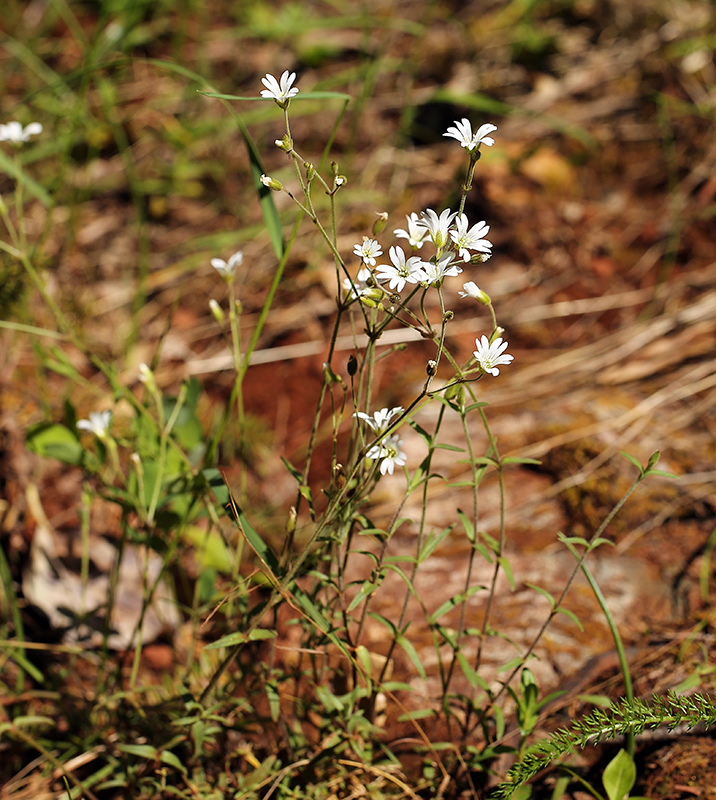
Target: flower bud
{"x":146,"y":376}
{"x":380,"y":223}
{"x":271,"y":183}
{"x":216,"y":311}
{"x":431,"y":367}
{"x":285,"y":144}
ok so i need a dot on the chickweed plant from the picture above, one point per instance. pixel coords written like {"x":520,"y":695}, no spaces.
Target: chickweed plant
{"x":292,"y":700}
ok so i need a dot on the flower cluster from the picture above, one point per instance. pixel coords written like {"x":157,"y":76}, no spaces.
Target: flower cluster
{"x":456,"y":243}
{"x":14,"y":132}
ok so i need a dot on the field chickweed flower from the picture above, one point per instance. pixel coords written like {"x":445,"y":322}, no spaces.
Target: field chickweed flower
{"x":14,"y":132}
{"x":368,"y":251}
{"x":360,"y":283}
{"x":462,"y":131}
{"x":227,"y":269}
{"x":400,"y":271}
{"x":388,"y":450}
{"x":280,"y":92}
{"x":466,"y":240}
{"x":438,"y":227}
{"x":380,"y":421}
{"x":98,"y":423}
{"x":435,"y":272}
{"x":474,"y":291}
{"x":490,"y":356}
{"x":415,"y":233}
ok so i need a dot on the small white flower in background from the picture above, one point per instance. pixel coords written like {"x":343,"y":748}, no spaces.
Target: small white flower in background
{"x":390,"y":453}
{"x":360,"y":283}
{"x":466,"y":240}
{"x":98,"y":423}
{"x":474,"y":291}
{"x":490,"y":356}
{"x":401,"y":271}
{"x":14,"y":132}
{"x":462,"y":131}
{"x":368,"y":251}
{"x":415,"y":233}
{"x":444,"y":268}
{"x":279,"y":91}
{"x":380,"y":421}
{"x":227,"y":268}
{"x":438,"y":226}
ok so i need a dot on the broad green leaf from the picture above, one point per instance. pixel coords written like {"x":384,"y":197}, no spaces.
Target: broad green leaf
{"x":167,"y":757}
{"x":52,"y":440}
{"x":140,"y":750}
{"x":619,"y":776}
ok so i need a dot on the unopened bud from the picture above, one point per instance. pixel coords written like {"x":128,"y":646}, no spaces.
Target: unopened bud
{"x":431,"y":368}
{"x":271,"y":183}
{"x":285,"y":144}
{"x":380,"y":223}
{"x":216,"y":311}
{"x":147,"y":378}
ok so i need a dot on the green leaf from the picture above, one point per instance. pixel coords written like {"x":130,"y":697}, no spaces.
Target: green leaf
{"x":451,"y":447}
{"x":634,"y":461}
{"x":507,"y":569}
{"x":140,"y":750}
{"x":52,"y":440}
{"x":432,"y":542}
{"x":467,"y":525}
{"x":421,"y":713}
{"x":486,"y":461}
{"x":518,"y":460}
{"x":412,"y":654}
{"x":571,"y":615}
{"x":167,"y":757}
{"x":543,"y":592}
{"x":619,"y":776}
{"x":240,"y":637}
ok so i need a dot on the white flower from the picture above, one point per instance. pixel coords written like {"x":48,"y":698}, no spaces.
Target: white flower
{"x":415,"y":233}
{"x":388,"y":450}
{"x":436,"y":226}
{"x":360,"y":283}
{"x":280,"y":92}
{"x":368,"y":251}
{"x":14,"y":132}
{"x":466,"y":240}
{"x":401,"y":271}
{"x":474,"y":291}
{"x":380,"y":421}
{"x":98,"y":423}
{"x":444,"y":268}
{"x":227,"y":269}
{"x":490,"y":356}
{"x":463,"y":133}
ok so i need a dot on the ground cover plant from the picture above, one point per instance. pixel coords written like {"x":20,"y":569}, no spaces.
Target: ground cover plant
{"x":198,"y":278}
